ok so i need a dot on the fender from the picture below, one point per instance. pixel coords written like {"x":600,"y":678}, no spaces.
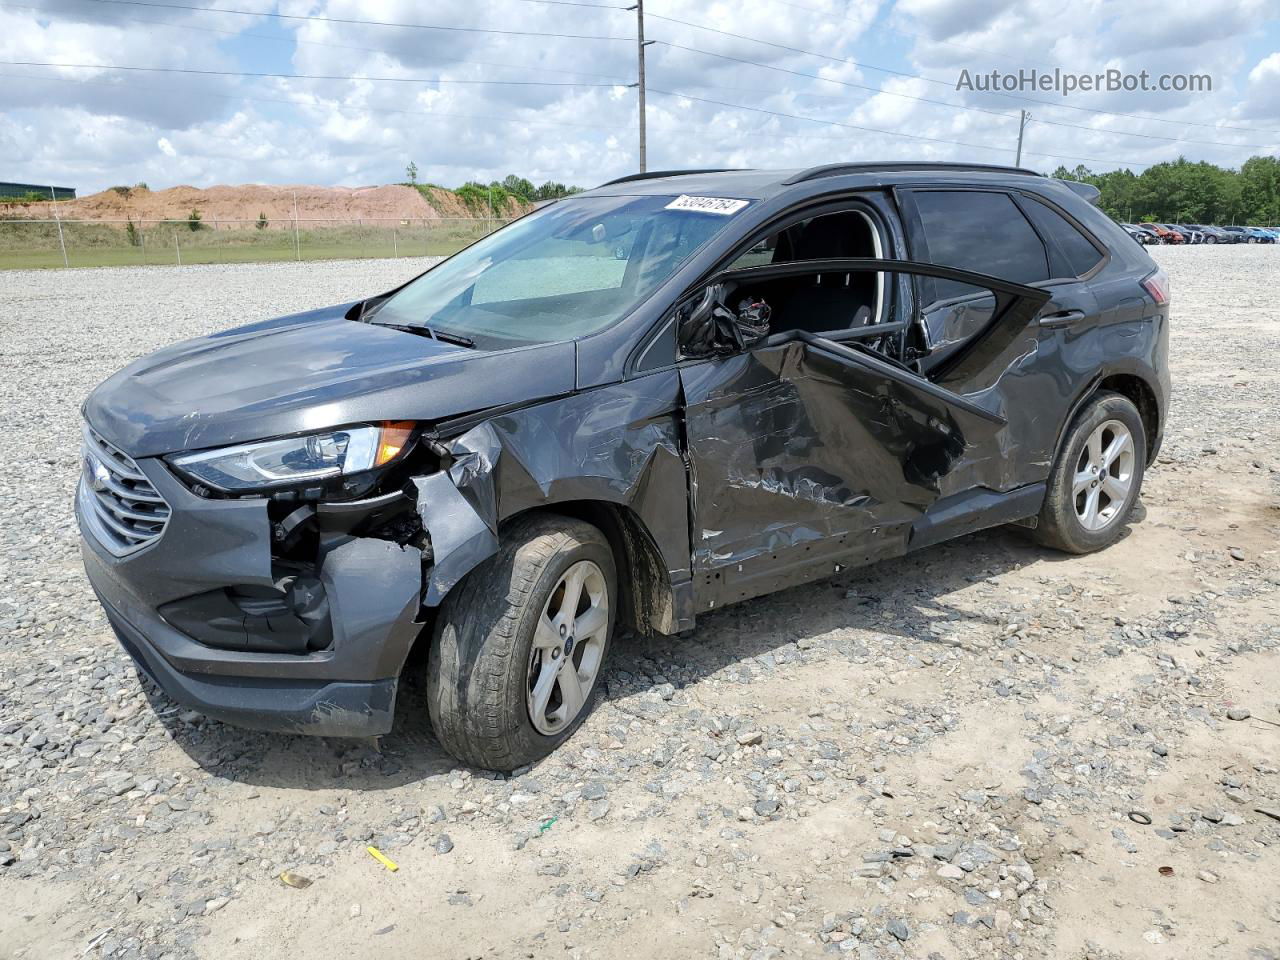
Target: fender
{"x":1126,"y":368}
{"x":616,"y":445}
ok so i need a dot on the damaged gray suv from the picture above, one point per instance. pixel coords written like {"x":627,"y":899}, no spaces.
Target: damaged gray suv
{"x":628,"y":408}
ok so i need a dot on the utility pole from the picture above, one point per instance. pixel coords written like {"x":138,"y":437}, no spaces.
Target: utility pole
{"x":1022,"y":125}
{"x":640,"y":45}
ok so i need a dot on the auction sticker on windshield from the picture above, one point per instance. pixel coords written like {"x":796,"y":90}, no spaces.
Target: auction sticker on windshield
{"x":721,"y":205}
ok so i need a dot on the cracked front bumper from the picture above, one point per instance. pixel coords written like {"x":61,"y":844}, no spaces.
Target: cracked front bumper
{"x":373,"y":589}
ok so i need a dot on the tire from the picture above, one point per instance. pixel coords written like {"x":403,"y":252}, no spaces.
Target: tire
{"x":483,"y":653}
{"x":1066,"y":521}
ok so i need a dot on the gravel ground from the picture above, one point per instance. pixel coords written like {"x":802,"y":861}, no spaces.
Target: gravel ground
{"x":982,"y":750}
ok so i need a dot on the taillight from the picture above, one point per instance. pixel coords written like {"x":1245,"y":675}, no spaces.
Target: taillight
{"x":1156,"y":283}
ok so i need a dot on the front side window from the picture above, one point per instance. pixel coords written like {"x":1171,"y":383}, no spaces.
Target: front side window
{"x":981,"y":231}
{"x":566,"y":271}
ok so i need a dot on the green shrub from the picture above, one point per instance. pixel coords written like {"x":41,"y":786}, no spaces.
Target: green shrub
{"x":193,"y":220}
{"x":262,"y":221}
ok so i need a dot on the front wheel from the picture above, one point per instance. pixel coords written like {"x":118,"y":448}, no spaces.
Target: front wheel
{"x":1097,"y":477}
{"x":520,"y":642}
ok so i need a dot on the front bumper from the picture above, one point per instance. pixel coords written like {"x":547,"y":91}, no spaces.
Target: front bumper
{"x":373,"y":589}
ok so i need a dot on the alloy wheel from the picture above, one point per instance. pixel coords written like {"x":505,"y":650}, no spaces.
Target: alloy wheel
{"x":568,"y":647}
{"x":1104,"y":474}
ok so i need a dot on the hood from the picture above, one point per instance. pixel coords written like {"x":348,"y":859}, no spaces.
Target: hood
{"x":309,"y":372}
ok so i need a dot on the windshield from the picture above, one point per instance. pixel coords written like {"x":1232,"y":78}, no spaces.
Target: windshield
{"x":565,"y":271}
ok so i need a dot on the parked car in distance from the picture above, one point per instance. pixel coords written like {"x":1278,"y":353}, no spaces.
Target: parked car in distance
{"x":1164,"y":233}
{"x":1188,"y":236}
{"x":627,"y":409}
{"x":1261,"y":235}
{"x":1142,"y":235}
{"x":1195,"y":233}
{"x":1238,"y":234}
{"x":1211,"y":234}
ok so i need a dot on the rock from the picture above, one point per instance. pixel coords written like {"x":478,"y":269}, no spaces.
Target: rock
{"x":899,"y":929}
{"x":443,"y":844}
{"x":749,"y":738}
{"x":1236,"y":553}
{"x":597,"y":810}
{"x":950,"y":872}
{"x":1238,"y":713}
{"x":1208,"y":876}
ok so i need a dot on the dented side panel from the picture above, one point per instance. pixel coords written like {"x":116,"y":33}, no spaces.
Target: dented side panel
{"x":617,"y":444}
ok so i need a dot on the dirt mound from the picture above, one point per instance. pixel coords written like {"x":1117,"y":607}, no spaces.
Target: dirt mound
{"x":246,"y":202}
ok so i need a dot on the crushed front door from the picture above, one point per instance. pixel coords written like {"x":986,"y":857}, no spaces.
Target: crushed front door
{"x":808,"y":447}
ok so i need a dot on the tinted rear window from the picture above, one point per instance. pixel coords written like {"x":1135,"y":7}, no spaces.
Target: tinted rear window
{"x":983,"y":232}
{"x":1070,"y":252}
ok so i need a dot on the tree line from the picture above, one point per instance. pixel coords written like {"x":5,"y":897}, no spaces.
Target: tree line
{"x":1184,"y":192}
{"x":486,"y":198}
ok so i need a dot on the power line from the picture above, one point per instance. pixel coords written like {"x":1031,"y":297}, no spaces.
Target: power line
{"x":336,"y":46}
{"x":305,"y":76}
{"x":843,"y":83}
{"x":749,"y":39}
{"x":913,"y":76}
{"x":687,"y":23}
{"x":890,"y":133}
{"x":945,"y":103}
{"x":367,"y":23}
{"x":377,"y":109}
{"x":875,"y":90}
{"x":832,"y":17}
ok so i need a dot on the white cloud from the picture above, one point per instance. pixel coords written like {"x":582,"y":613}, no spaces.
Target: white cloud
{"x":97,"y":127}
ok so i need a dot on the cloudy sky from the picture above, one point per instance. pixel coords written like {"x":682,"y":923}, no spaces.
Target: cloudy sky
{"x":760,"y":83}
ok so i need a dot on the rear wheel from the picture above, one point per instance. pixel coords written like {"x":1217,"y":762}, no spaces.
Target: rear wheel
{"x":520,"y":642}
{"x":1097,"y":478}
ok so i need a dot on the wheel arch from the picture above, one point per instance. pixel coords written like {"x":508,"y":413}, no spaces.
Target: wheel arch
{"x":1133,"y":384}
{"x":1143,"y":396}
{"x":650,"y":601}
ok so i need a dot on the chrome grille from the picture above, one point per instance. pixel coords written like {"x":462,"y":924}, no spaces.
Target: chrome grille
{"x":117,"y":500}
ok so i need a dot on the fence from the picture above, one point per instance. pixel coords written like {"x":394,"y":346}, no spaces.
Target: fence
{"x":114,"y":243}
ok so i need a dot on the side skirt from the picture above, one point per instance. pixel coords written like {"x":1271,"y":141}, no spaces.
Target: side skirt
{"x":974,"y":510}
{"x":947,"y":519}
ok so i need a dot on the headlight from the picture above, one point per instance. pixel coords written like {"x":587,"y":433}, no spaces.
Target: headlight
{"x":292,"y":461}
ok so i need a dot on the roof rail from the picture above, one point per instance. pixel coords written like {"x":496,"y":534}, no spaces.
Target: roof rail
{"x":838,"y":169}
{"x":658,"y":174}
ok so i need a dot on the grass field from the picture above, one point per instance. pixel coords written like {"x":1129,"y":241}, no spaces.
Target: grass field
{"x":26,"y":245}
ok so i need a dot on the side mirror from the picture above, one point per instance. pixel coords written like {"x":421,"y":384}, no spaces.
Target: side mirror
{"x":708,"y":327}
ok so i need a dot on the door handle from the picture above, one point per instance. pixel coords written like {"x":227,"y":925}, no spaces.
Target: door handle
{"x":1061,"y":318}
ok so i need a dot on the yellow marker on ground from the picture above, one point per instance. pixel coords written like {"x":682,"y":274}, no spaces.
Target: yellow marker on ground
{"x":382,"y":859}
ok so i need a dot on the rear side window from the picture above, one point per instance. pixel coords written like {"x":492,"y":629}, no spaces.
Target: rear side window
{"x":979,"y":231}
{"x":1071,"y":254}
